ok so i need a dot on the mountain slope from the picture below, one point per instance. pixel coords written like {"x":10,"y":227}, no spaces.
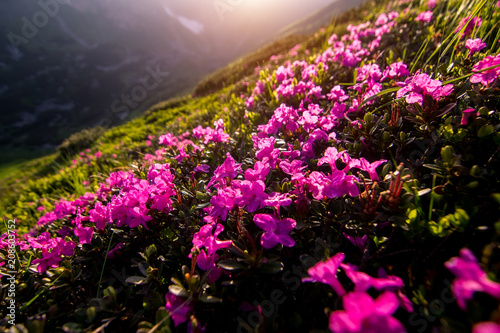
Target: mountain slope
{"x":107,"y":50}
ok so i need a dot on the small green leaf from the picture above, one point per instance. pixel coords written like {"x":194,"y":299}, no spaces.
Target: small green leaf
{"x":136,"y":280}
{"x":485,"y":130}
{"x":272,"y":267}
{"x":143,"y":268}
{"x":424,"y":192}
{"x":496,"y":196}
{"x":210,"y":299}
{"x":178,"y":290}
{"x":230,"y":265}
{"x":150,"y":250}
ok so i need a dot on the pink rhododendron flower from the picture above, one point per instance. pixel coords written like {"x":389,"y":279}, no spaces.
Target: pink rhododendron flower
{"x":202,"y":168}
{"x":116,"y":249}
{"x":475,"y":45}
{"x":363,"y":281}
{"x":363,"y":314}
{"x":49,"y":260}
{"x":337,"y":94}
{"x":277,"y":200}
{"x":487,"y":77}
{"x":227,"y":169}
{"x":382,"y":19}
{"x":259,"y":172}
{"x":486,"y":327}
{"x":223,"y":202}
{"x":252,"y":194}
{"x":420,"y":85}
{"x":178,"y":307}
{"x":275,"y":230}
{"x":470,"y":278}
{"x":292,"y":168}
{"x":330,"y":156}
{"x":167,"y":139}
{"x":395,"y":70}
{"x":205,"y":238}
{"x":326,"y":272}
{"x":424,"y":17}
{"x":206,"y":259}
{"x":466,"y":115}
{"x":359,"y":242}
{"x":340,"y":184}
{"x":475,"y":22}
{"x":100,"y":215}
{"x":370,"y":167}
{"x":84,"y":234}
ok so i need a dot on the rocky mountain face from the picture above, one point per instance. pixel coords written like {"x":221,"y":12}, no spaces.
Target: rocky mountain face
{"x":70,"y":64}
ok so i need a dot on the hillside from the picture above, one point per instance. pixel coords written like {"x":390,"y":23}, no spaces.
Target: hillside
{"x":347,"y":182}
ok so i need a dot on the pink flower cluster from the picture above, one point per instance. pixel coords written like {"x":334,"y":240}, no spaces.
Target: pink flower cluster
{"x":487,"y":71}
{"x":131,"y":206}
{"x":361,"y":312}
{"x":418,"y":86}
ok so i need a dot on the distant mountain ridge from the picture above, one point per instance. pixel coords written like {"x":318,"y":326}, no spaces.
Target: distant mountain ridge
{"x":66,"y":65}
{"x":318,"y":19}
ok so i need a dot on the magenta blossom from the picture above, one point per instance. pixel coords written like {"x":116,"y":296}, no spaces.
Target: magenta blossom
{"x":420,"y":85}
{"x":475,"y":45}
{"x":396,"y":69}
{"x":466,"y":115}
{"x":100,"y":215}
{"x":178,"y":307}
{"x":363,"y":281}
{"x":470,"y":278}
{"x":260,"y":171}
{"x":205,"y":238}
{"x":49,"y":260}
{"x":275,"y":230}
{"x":341,"y":184}
{"x":370,"y":167}
{"x":424,"y":17}
{"x":486,"y":77}
{"x":84,"y":234}
{"x":363,"y":314}
{"x":475,"y":22}
{"x":337,"y":94}
{"x":202,"y":168}
{"x":252,"y":194}
{"x":227,"y":169}
{"x":223,"y":202}
{"x":277,"y":200}
{"x":486,"y":327}
{"x":326,"y":272}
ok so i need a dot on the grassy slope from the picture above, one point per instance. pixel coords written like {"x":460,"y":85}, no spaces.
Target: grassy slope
{"x":40,"y":182}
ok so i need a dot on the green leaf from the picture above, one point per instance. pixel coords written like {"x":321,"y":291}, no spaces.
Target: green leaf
{"x":230,"y":265}
{"x":485,"y":130}
{"x":150,"y":250}
{"x":424,"y":192}
{"x":496,"y":197}
{"x":272,"y":267}
{"x":137,"y":280}
{"x":210,"y":299}
{"x":143,"y":268}
{"x":178,"y":290}
{"x":433,"y":167}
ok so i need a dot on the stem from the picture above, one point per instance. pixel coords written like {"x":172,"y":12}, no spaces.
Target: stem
{"x":104,"y":265}
{"x":432,"y":198}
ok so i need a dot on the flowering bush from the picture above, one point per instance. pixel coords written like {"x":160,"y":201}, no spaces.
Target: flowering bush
{"x":333,"y":193}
